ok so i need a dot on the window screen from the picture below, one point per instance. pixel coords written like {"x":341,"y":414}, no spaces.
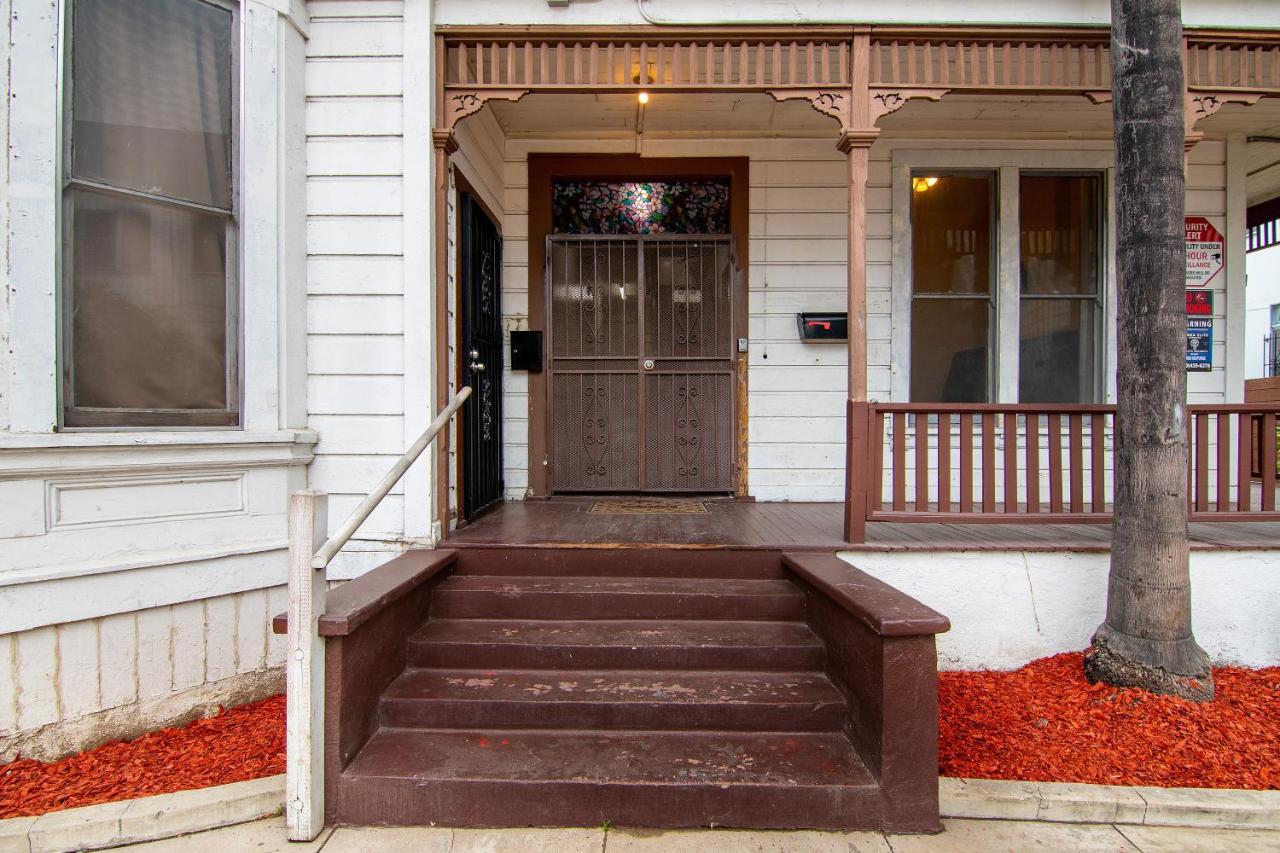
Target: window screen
{"x":150,"y":297}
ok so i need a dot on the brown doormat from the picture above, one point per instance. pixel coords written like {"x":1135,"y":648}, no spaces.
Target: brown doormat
{"x":650,"y":507}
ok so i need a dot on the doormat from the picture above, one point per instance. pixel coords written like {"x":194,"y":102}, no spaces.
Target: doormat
{"x":650,"y":507}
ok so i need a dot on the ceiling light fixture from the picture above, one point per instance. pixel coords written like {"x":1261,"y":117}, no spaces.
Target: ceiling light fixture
{"x":643,"y":97}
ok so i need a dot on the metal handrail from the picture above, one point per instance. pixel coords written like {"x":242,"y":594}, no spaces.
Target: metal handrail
{"x":334,"y":544}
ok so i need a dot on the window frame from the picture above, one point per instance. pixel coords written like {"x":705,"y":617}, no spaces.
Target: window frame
{"x":1098,"y":298}
{"x":81,"y":418}
{"x":908,"y":156}
{"x":993,"y":265}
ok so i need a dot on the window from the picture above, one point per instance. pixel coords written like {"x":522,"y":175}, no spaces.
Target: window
{"x":1006,"y":282}
{"x":1275,"y":316}
{"x":150,"y":320}
{"x":951,"y":289}
{"x":1060,"y":262}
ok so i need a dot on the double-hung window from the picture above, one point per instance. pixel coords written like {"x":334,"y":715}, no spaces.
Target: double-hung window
{"x":999,"y":291}
{"x":150,"y":297}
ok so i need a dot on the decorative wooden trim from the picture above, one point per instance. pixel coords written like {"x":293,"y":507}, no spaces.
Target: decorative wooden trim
{"x":1100,"y":97}
{"x":886,"y":101}
{"x":1201,"y":105}
{"x":830,"y":102}
{"x":445,"y":139}
{"x":460,"y":104}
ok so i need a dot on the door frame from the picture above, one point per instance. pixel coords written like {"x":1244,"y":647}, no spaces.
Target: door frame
{"x":463,"y":187}
{"x":544,"y":169}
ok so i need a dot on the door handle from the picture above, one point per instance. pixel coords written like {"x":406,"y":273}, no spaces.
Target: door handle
{"x":477,"y":367}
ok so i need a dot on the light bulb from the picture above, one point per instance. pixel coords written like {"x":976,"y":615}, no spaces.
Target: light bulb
{"x":644,"y":97}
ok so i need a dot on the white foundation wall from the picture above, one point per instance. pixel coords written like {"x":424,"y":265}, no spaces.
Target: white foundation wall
{"x":147,"y":668}
{"x":1011,"y":607}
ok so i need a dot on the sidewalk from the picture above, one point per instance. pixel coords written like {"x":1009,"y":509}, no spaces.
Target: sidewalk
{"x":267,"y":836}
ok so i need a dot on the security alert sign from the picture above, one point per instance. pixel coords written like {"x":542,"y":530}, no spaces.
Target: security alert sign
{"x":1206,"y":249}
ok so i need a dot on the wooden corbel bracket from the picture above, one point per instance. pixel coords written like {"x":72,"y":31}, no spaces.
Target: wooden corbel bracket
{"x":1201,"y":105}
{"x":885,"y":101}
{"x":460,"y":104}
{"x":829,"y":102}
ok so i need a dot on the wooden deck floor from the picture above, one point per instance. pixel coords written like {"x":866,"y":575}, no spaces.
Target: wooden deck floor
{"x":803,"y":526}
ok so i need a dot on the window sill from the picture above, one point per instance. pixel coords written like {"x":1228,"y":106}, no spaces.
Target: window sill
{"x":154,"y":438}
{"x":32,"y":455}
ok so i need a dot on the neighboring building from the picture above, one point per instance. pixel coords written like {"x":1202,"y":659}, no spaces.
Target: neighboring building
{"x":254,"y":247}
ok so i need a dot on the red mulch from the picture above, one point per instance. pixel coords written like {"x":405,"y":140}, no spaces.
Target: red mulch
{"x":1046,"y":723}
{"x":241,"y":743}
{"x":1042,"y":723}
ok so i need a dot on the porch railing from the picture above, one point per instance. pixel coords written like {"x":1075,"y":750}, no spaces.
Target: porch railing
{"x":309,"y":556}
{"x":1053,"y":463}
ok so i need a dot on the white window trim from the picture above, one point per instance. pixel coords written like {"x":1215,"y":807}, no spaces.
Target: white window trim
{"x":271,"y":222}
{"x":1007,"y":164}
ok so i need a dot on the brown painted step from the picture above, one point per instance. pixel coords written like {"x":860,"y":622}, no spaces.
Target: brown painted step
{"x":620,"y":644}
{"x":505,"y":597}
{"x":569,"y":699}
{"x":564,"y":778}
{"x":614,"y":561}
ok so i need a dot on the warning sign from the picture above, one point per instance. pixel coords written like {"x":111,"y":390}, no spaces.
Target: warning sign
{"x":1206,"y":249}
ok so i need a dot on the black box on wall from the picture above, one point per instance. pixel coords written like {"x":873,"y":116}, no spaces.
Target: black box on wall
{"x":823,"y":326}
{"x":526,"y":351}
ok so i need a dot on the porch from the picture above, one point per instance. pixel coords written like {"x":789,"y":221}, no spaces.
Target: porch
{"x":730,"y":524}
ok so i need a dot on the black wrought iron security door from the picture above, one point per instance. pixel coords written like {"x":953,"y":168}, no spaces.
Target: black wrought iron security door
{"x":642,"y":363}
{"x":481,"y":355}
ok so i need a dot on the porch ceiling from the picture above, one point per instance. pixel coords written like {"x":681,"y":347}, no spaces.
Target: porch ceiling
{"x":616,"y":114}
{"x":742,"y":113}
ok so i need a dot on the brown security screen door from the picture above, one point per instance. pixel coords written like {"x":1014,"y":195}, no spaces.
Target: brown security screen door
{"x":642,"y":374}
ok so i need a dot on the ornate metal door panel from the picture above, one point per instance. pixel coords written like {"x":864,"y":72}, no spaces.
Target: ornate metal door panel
{"x":481,"y":354}
{"x":642,"y":379}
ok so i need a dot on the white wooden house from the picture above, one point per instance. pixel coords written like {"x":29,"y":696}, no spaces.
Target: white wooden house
{"x":234,"y":268}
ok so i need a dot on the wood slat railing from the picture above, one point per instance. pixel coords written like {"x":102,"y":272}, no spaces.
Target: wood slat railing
{"x":601,"y":64}
{"x":1032,"y":60}
{"x":1015,"y":463}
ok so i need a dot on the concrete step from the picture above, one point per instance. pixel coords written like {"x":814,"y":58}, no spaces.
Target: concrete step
{"x":615,"y":645}
{"x":596,"y":699}
{"x":557,"y":597}
{"x":519,"y":777}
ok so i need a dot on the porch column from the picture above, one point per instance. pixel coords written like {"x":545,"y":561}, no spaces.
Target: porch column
{"x":856,"y":139}
{"x":857,"y":145}
{"x":444,"y":145}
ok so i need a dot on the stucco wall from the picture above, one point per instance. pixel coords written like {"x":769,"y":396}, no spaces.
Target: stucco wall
{"x":1008,"y":608}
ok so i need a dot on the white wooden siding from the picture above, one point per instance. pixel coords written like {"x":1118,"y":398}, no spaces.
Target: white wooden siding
{"x":60,"y":672}
{"x":355,"y":265}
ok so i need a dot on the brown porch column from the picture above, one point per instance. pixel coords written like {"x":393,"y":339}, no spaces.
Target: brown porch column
{"x":856,"y":140}
{"x":444,"y":144}
{"x":857,"y":144}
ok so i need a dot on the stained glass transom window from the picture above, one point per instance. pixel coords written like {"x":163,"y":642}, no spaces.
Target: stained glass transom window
{"x":652,"y":207}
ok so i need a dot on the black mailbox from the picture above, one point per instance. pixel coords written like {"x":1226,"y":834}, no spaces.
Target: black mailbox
{"x":829,"y":326}
{"x":526,"y":351}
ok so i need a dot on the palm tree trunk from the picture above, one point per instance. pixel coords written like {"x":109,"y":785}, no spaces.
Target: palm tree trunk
{"x":1146,"y":639}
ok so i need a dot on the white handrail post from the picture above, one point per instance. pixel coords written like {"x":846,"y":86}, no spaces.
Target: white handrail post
{"x":304,"y":680}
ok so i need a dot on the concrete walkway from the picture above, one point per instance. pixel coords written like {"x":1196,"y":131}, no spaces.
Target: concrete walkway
{"x":267,"y":836}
